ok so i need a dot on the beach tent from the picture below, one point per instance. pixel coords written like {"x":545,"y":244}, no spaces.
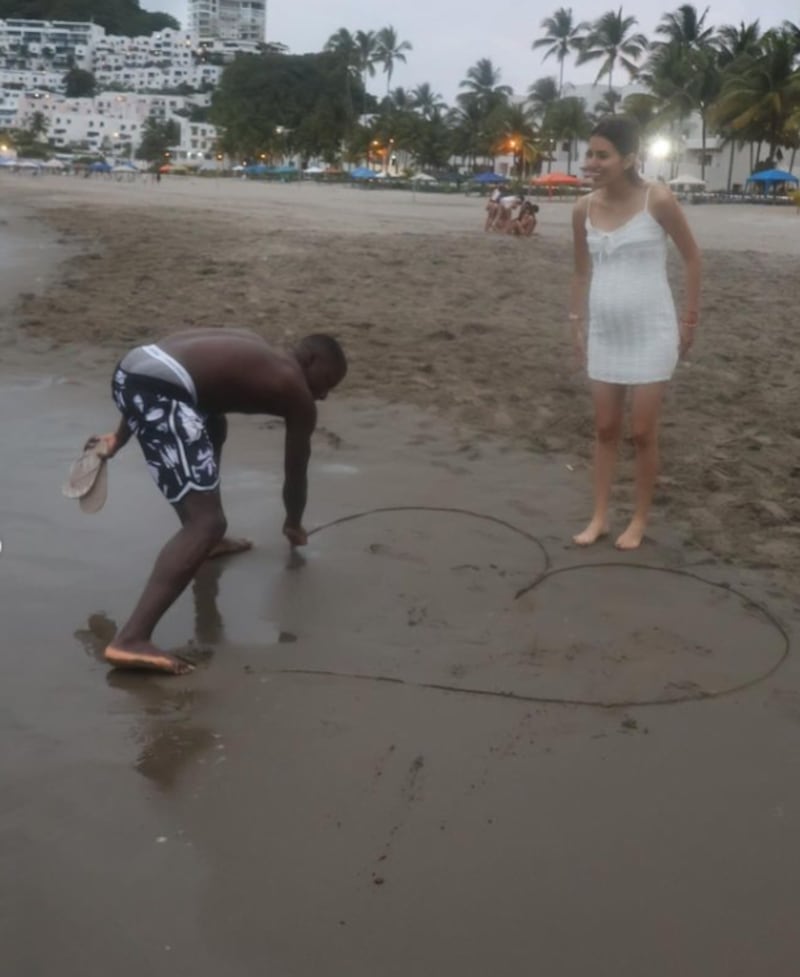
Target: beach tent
{"x":424,"y":178}
{"x":258,"y":169}
{"x":686,"y":181}
{"x":100,"y":167}
{"x":53,"y":164}
{"x":364,"y":173}
{"x":772,"y":176}
{"x":314,"y":170}
{"x":489,"y":178}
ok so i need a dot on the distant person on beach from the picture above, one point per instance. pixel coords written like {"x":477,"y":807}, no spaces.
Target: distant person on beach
{"x":174,"y":397}
{"x":524,"y":224}
{"x":492,"y":208}
{"x":635,"y":338}
{"x":505,"y":213}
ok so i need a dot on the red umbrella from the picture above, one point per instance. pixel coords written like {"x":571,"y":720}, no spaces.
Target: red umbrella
{"x":556,"y":180}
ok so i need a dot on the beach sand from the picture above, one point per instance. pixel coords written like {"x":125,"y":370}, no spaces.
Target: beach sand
{"x":444,"y":742}
{"x":434,"y":314}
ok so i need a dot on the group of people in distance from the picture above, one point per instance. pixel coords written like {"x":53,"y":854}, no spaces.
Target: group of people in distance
{"x":510,"y":214}
{"x":627,"y":336}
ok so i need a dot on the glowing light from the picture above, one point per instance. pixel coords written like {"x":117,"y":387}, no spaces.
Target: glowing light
{"x":660,"y":148}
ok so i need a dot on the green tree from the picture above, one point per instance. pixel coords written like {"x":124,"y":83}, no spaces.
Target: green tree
{"x":426,"y":101}
{"x":389,"y":50}
{"x":685,"y":28}
{"x":367,"y":47}
{"x":79,"y":83}
{"x":610,"y":40}
{"x":568,"y":120}
{"x":763,"y":93}
{"x":270,"y":104}
{"x":158,"y":138}
{"x":563,"y":37}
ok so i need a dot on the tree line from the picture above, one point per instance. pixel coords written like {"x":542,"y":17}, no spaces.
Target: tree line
{"x":117,"y":16}
{"x":741,"y":81}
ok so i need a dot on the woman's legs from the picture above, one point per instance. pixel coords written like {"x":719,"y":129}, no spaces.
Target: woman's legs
{"x":646,"y":403}
{"x":609,"y":402}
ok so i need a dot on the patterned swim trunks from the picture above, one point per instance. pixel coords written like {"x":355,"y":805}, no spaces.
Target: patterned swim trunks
{"x":173,"y":433}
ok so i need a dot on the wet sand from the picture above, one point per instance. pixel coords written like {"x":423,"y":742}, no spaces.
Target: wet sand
{"x":381,"y":766}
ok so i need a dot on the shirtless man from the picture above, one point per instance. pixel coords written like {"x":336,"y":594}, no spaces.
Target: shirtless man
{"x":174,"y":397}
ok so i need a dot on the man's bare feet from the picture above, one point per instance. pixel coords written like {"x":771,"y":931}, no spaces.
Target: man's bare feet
{"x":143,"y":655}
{"x":596,"y":529}
{"x":632,"y":538}
{"x":229,"y":545}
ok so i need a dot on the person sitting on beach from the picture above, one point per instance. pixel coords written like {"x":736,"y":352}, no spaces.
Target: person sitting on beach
{"x":492,"y":208}
{"x":174,"y":397}
{"x":524,"y":224}
{"x":505,"y":212}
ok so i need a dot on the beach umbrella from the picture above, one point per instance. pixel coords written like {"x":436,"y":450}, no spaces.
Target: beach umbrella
{"x":556,"y":180}
{"x":424,"y":178}
{"x":772,"y":176}
{"x":686,"y":181}
{"x":314,"y":170}
{"x":489,"y":178}
{"x":364,"y":173}
{"x":100,"y":167}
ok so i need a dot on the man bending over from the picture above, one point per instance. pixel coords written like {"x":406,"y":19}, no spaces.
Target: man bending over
{"x":174,"y":397}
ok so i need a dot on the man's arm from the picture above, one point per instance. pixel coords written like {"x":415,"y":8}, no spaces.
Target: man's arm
{"x":300,"y":423}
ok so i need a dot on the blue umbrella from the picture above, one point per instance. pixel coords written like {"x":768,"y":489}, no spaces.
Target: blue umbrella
{"x":489,"y":178}
{"x":772,"y":176}
{"x":100,"y":167}
{"x":363,"y":173}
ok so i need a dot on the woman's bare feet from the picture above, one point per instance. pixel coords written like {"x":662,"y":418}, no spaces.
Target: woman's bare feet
{"x":229,"y":545}
{"x":596,"y":529}
{"x":143,"y":655}
{"x":632,"y":538}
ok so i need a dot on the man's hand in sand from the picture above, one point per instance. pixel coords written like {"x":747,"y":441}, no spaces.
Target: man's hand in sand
{"x":296,"y":535}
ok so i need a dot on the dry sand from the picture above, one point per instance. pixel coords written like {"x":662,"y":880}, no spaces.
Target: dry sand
{"x":434,"y":313}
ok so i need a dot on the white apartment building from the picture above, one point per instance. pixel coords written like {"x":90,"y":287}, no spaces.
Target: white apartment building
{"x":37,"y":54}
{"x":228,"y":20}
{"x":42,"y":45}
{"x":112,"y":123}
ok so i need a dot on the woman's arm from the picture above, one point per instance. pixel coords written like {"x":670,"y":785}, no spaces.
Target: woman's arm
{"x":669,"y":214}
{"x":581,"y":275}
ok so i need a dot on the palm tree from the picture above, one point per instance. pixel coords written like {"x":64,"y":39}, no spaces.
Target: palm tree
{"x":366,"y":44}
{"x":607,"y":105}
{"x":563,"y":37}
{"x":684,"y":71}
{"x":520,"y":137}
{"x":541,"y":95}
{"x":609,"y":38}
{"x":388,"y":50}
{"x":426,"y":101}
{"x":483,"y":81}
{"x":569,"y":121}
{"x":685,"y":28}
{"x":733,"y":42}
{"x":764,"y":92}
{"x":344,"y":44}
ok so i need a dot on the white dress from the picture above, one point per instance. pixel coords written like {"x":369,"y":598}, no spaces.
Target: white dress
{"x":633,"y":329}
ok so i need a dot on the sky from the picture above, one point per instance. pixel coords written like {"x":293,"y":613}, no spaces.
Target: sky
{"x":448,"y":37}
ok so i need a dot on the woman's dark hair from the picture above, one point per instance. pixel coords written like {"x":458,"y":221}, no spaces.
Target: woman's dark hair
{"x":623,"y":134}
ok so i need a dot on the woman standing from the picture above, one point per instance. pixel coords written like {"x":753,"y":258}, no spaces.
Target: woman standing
{"x":635,"y":338}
